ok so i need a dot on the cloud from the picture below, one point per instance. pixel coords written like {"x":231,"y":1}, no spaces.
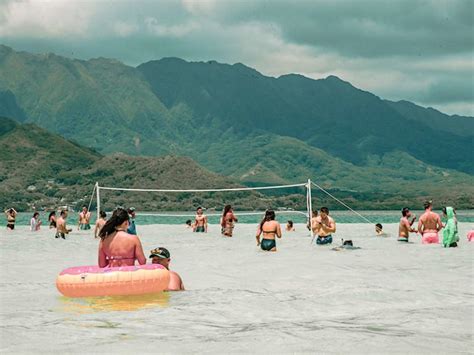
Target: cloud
{"x":44,"y":19}
{"x":415,"y":50}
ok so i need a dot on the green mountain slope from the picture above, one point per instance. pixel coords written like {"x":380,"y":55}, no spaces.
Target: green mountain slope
{"x":101,"y":103}
{"x":329,"y":114}
{"x":43,"y":170}
{"x":239,"y":123}
{"x":460,"y":125}
{"x":396,"y":176}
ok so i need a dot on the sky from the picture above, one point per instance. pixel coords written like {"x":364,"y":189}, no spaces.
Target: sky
{"x":416,"y":50}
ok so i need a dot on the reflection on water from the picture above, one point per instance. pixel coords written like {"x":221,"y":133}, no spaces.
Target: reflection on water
{"x":113,"y":303}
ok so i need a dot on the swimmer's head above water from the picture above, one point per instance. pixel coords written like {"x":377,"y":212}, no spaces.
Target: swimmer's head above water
{"x":160,"y":256}
{"x":379,"y":228}
{"x":324,"y":212}
{"x":428,"y":204}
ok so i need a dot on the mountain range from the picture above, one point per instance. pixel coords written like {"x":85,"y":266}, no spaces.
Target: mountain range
{"x":252,"y":128}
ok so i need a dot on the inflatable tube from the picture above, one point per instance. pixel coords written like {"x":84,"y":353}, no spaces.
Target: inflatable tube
{"x":92,"y":281}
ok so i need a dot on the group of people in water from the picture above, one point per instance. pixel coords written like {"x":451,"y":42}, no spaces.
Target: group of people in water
{"x":429,"y":225}
{"x":120,"y":246}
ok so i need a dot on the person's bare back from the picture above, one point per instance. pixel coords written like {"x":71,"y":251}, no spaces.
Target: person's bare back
{"x":429,"y":222}
{"x":120,"y":249}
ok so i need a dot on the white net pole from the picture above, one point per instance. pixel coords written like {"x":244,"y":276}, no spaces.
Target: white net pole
{"x":97,"y":191}
{"x":310,"y":206}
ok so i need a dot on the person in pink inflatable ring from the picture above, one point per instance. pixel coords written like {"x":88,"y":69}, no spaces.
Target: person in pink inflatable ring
{"x":117,"y":247}
{"x":162,"y":256}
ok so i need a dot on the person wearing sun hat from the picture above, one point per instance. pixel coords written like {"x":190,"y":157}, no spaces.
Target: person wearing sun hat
{"x":162,"y":256}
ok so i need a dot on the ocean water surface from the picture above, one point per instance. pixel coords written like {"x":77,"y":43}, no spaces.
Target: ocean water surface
{"x":385,"y":297}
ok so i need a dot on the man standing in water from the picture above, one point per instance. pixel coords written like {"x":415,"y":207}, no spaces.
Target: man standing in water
{"x":404,"y":227}
{"x":429,"y":225}
{"x":162,"y":256}
{"x":61,"y":229}
{"x":324,"y":227}
{"x":84,"y":219}
{"x":200,"y":222}
{"x":132,"y":228}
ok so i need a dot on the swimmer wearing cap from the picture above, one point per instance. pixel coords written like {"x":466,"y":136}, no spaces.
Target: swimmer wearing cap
{"x":162,"y":256}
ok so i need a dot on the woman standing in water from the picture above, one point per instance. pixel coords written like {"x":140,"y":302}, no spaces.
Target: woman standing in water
{"x":11,"y":218}
{"x":117,"y":247}
{"x":227,"y":221}
{"x":270,"y":228}
{"x":35,"y":222}
{"x":52,"y":220}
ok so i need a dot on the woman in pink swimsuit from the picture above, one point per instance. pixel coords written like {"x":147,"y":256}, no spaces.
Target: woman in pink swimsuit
{"x":117,"y":247}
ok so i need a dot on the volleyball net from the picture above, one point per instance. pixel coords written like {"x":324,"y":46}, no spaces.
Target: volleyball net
{"x":300,"y":202}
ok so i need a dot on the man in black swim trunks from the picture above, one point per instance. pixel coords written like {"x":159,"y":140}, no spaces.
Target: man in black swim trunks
{"x":61,"y":229}
{"x":200,"y":221}
{"x":324,"y":227}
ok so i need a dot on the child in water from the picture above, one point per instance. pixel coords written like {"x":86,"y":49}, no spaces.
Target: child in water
{"x":289,"y":226}
{"x":379,"y":231}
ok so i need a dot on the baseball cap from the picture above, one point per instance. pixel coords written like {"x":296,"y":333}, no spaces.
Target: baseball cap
{"x":160,"y":252}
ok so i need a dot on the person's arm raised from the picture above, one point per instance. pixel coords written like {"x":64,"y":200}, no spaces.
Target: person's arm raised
{"x":139,"y":252}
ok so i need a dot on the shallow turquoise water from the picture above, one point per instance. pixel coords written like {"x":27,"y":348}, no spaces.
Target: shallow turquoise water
{"x":282,"y":216}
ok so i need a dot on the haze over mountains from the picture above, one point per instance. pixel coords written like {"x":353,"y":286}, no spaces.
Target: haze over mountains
{"x":237,"y":122}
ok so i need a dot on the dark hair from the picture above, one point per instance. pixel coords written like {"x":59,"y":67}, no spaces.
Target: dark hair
{"x":102,"y":214}
{"x":35,"y":214}
{"x":378,"y":225}
{"x":315,"y":213}
{"x":188,"y":222}
{"x":199,"y":208}
{"x":51,"y":214}
{"x":11,"y":210}
{"x":269,"y":216}
{"x":324,"y":210}
{"x":119,"y":216}
{"x":290,"y":222}
{"x":405,"y":211}
{"x":85,"y":207}
{"x":427,"y":204}
{"x":444,"y":210}
{"x":227,"y":208}
{"x":63,"y":212}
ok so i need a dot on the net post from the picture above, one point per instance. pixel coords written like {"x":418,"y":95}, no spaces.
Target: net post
{"x":309,"y":205}
{"x":97,"y":193}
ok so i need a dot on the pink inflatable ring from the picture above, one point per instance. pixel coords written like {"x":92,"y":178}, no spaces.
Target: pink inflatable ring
{"x":92,"y":281}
